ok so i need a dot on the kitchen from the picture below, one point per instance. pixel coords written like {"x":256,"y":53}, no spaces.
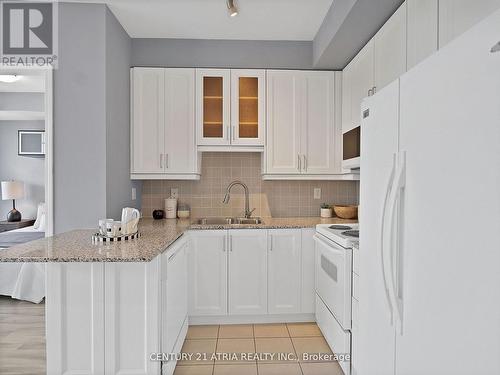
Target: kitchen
{"x":234,"y":165}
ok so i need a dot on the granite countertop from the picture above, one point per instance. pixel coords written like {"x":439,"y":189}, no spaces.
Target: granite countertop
{"x":156,"y":236}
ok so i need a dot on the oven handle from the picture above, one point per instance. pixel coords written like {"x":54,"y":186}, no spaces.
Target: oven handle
{"x":331,"y":246}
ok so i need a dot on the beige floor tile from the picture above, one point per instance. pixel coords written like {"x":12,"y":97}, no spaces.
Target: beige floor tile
{"x":246,"y":369}
{"x":270,"y":330}
{"x":236,"y":331}
{"x":330,"y":368}
{"x":202,"y":332}
{"x":304,"y":330}
{"x":279,"y":369}
{"x":198,"y":347}
{"x":275,"y":345}
{"x":194,"y":370}
{"x":234,"y":346}
{"x":310,"y":345}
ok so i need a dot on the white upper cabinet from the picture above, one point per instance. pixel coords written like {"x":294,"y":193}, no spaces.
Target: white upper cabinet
{"x":180,"y":155}
{"x":213,"y":106}
{"x":162,"y":126}
{"x":230,"y":108}
{"x":284,"y":271}
{"x":247,"y":271}
{"x":301,"y":126}
{"x":360,"y":77}
{"x":248,"y":107}
{"x":148,"y":120}
{"x":456,"y":16}
{"x":389,"y":49}
{"x":319,"y":135}
{"x":422,"y":29}
{"x":207,"y":270}
{"x":283,"y":121}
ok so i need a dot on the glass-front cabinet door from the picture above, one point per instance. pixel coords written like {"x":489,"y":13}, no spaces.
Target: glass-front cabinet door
{"x":248,"y":113}
{"x":213,"y":106}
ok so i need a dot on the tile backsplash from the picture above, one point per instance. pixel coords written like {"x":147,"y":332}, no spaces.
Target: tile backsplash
{"x":269,"y":198}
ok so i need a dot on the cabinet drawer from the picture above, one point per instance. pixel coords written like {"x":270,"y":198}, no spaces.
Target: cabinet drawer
{"x":355,"y":286}
{"x":338,"y":339}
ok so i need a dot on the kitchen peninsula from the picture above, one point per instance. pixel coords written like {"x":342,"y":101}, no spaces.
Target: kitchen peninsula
{"x":109,"y":306}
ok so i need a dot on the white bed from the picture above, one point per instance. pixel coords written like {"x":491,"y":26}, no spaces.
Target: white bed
{"x":24,"y":281}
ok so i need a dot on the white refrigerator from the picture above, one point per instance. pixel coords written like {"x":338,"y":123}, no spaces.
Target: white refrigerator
{"x":430,"y":216}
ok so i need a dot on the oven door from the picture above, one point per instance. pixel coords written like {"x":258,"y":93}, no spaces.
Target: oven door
{"x":333,"y":278}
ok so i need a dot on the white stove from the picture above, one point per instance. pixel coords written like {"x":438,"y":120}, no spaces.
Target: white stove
{"x":346,"y":235}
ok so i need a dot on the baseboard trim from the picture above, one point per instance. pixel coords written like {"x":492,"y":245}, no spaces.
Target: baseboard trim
{"x":251,"y":319}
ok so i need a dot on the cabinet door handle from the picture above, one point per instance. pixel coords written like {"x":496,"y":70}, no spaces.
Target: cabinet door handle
{"x":161,"y":161}
{"x":224,"y":243}
{"x":166,"y":161}
{"x":230,"y":243}
{"x":370,"y":92}
{"x":270,"y":242}
{"x":233,"y":133}
{"x":305,"y":163}
{"x":228,"y":130}
{"x":374,"y":90}
{"x":298,"y":162}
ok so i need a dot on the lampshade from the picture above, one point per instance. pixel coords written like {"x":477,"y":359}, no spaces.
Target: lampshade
{"x":12,"y":190}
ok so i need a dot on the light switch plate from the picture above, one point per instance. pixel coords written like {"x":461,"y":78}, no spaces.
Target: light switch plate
{"x":134,"y":194}
{"x":174,"y":192}
{"x":317,"y":193}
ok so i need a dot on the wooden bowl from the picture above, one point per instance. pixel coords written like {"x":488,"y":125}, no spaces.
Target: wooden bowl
{"x":346,"y":212}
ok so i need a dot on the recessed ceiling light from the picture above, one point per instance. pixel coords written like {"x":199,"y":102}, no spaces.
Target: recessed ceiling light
{"x":233,"y":11}
{"x":9,"y":78}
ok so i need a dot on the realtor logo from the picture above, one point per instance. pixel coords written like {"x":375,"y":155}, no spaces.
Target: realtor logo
{"x":28,"y":33}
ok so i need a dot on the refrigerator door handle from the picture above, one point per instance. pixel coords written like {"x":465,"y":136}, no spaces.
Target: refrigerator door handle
{"x":383,"y":236}
{"x":398,"y":184}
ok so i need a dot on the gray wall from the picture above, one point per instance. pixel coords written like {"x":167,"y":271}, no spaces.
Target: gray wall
{"x":91,"y":118}
{"x":28,"y":169}
{"x":346,"y":29}
{"x":80,"y":118}
{"x":118,"y":60}
{"x":222,"y":53}
{"x":22,"y":101}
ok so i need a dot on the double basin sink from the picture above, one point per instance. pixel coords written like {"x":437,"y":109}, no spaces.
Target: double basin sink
{"x":229,"y":221}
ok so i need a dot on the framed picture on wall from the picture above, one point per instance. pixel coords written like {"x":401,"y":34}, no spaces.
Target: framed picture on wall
{"x":31,"y":142}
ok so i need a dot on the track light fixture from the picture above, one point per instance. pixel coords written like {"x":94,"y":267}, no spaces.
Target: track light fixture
{"x":232,"y":9}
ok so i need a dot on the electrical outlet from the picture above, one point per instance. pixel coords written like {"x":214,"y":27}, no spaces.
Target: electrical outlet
{"x":134,"y":194}
{"x":174,"y":192}
{"x":317,"y":193}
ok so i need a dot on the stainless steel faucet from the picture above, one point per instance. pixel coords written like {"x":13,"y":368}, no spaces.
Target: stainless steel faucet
{"x":248,"y":212}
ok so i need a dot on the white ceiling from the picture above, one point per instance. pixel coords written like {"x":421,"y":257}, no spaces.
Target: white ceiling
{"x":208,"y":19}
{"x":29,"y":81}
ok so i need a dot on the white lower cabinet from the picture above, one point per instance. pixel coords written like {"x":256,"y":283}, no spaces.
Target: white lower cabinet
{"x":284,"y":271}
{"x":207,"y":272}
{"x":308,"y":302}
{"x":108,"y":318}
{"x":132,"y":319}
{"x":103,"y":318}
{"x":247,"y":271}
{"x":74,"y":306}
{"x":251,"y":272}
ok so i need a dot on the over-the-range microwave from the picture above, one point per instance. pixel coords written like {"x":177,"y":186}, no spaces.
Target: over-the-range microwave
{"x":351,"y":148}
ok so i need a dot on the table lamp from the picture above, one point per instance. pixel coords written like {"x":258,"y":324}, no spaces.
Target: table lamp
{"x":13,"y":190}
